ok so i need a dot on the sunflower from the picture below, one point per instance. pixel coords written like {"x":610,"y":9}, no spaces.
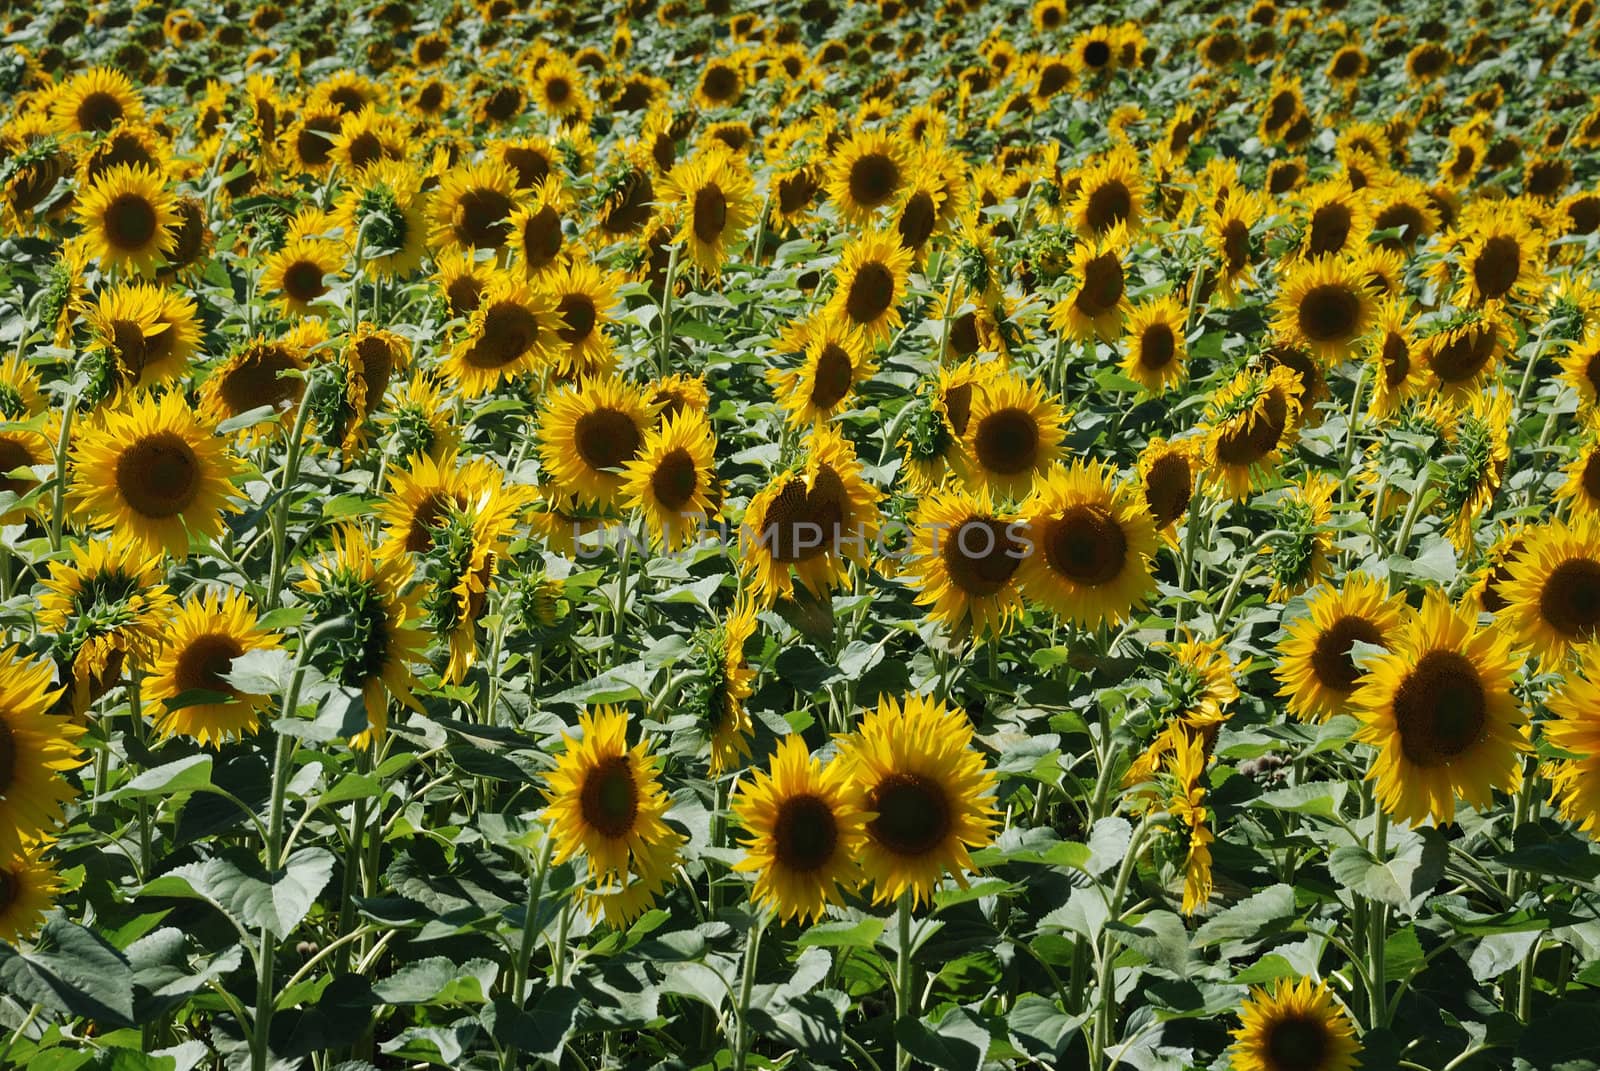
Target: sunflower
{"x":1575,"y":781}
{"x":1336,"y":221}
{"x":1402,"y":205}
{"x":1294,"y":1027}
{"x":586,"y":300}
{"x":1480,"y":437}
{"x":1499,"y":258}
{"x":1188,"y":806}
{"x":558,"y":89}
{"x":147,"y":335}
{"x":937,"y":425}
{"x":1325,"y":306}
{"x":1167,"y":472}
{"x":40,"y":748}
{"x":721,"y":84}
{"x":1248,"y":424}
{"x":1111,"y":194}
{"x":1236,"y":250}
{"x":673,"y":479}
{"x":1318,"y":674}
{"x":675,"y":393}
{"x":918,"y":217}
{"x":834,"y":363}
{"x":1157,"y":351}
{"x":1298,"y":554}
{"x":1554,"y":589}
{"x":964,"y":560}
{"x":371,"y":652}
{"x":811,"y":520}
{"x":28,"y":888}
{"x":1013,"y":434}
{"x":420,"y":419}
{"x":259,"y":374}
{"x":384,"y":214}
{"x":1347,"y":66}
{"x":128,"y":219}
{"x":1099,"y":300}
{"x":869,"y":170}
{"x":126,"y":143}
{"x":302,"y":273}
{"x":536,"y":237}
{"x":804,"y":829}
{"x":607,"y":804}
{"x":1439,"y":708}
{"x":715,"y":200}
{"x":202,"y":641}
{"x":870,"y":283}
{"x":154,"y":473}
{"x":717,"y":698}
{"x":365,"y":366}
{"x":513,"y":330}
{"x":95,"y":101}
{"x":925,"y":791}
{"x":589,"y":432}
{"x":108,"y":610}
{"x":1580,"y":369}
{"x":473,"y":206}
{"x":1459,"y":355}
{"x":1089,"y":541}
{"x":1581,"y":489}
{"x":465,"y":547}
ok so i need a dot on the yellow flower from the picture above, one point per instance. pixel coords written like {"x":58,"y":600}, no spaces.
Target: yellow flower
{"x":1553,"y":595}
{"x":804,"y":829}
{"x":965,"y":557}
{"x":1315,"y":662}
{"x":203,"y":639}
{"x":589,"y":432}
{"x":128,"y":219}
{"x":1294,"y":1027}
{"x":673,"y":478}
{"x":40,"y":748}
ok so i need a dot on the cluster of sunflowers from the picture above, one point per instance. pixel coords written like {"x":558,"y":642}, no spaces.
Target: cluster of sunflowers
{"x":582,"y":531}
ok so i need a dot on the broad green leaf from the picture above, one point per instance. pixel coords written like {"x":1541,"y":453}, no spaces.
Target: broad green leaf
{"x":73,"y":971}
{"x":238,"y":886}
{"x":185,"y":775}
{"x":860,"y":934}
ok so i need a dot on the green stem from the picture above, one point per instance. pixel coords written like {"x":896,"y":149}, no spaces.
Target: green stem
{"x":530,"y":930}
{"x":747,"y":980}
{"x":280,"y":509}
{"x":1377,"y":934}
{"x":1413,"y":510}
{"x":58,"y":505}
{"x":905,"y":972}
{"x":664,"y":353}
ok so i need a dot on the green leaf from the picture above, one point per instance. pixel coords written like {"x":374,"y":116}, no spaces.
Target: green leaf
{"x":975,"y":891}
{"x":1258,"y":916}
{"x":260,"y":672}
{"x":437,"y":980}
{"x":351,"y":787}
{"x":1268,"y":968}
{"x":957,"y":1042}
{"x":1041,"y":1028}
{"x":72,"y":971}
{"x":185,"y":775}
{"x":238,"y":886}
{"x":862,"y":934}
{"x":1320,"y":798}
{"x":541,"y":1031}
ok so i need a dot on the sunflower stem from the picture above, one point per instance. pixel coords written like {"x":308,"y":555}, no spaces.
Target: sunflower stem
{"x":352,"y":860}
{"x":1377,"y":933}
{"x":1352,"y":420}
{"x":280,"y":512}
{"x":537,"y":877}
{"x":664,"y":354}
{"x":747,"y":979}
{"x":58,"y":505}
{"x":1413,"y":510}
{"x":905,"y":972}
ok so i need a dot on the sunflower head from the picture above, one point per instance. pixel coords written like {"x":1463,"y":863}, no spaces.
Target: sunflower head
{"x":1295,"y":1026}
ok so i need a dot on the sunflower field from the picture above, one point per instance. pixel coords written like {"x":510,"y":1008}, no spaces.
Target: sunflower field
{"x":716,"y":534}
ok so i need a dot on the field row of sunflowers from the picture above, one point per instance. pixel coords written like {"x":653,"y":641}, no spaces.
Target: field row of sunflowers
{"x":821,"y":534}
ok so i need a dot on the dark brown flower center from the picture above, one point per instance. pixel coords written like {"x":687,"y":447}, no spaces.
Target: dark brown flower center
{"x":605,"y":438}
{"x":302,"y":281}
{"x":1157,"y":346}
{"x":1569,"y":601}
{"x":805,"y":834}
{"x":1331,"y":658}
{"x":130,"y":222}
{"x":609,"y":798}
{"x":1440,"y":708}
{"x":578,"y":311}
{"x":1396,"y":359}
{"x":1109,"y":204}
{"x":1168,"y":488}
{"x":1086,"y":545}
{"x":874,"y":178}
{"x":710,"y":213}
{"x":913,"y":816}
{"x":871,"y":293}
{"x":1296,"y":1044}
{"x":1329,"y":312}
{"x":1330,"y":229}
{"x":1496,"y":266}
{"x":508,"y":330}
{"x":541,"y":238}
{"x":159,"y":475}
{"x":674,"y":479}
{"x":1245,"y":444}
{"x":480,"y":219}
{"x":1007,"y":441}
{"x":1102,"y":285}
{"x":202,"y":664}
{"x":917,"y":220}
{"x":980,"y":555}
{"x":98,"y":111}
{"x":833,"y":377}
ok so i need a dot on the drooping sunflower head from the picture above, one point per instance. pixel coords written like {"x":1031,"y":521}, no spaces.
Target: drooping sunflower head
{"x":1316,"y":666}
{"x":1098,"y":301}
{"x":1459,"y":355}
{"x":384,"y":215}
{"x":1439,"y":708}
{"x":1250,"y":421}
{"x":128,"y":219}
{"x":1335,"y":221}
{"x":1090,"y":540}
{"x":154,"y":473}
{"x":717,"y":697}
{"x":1013,"y":434}
{"x":208,"y":633}
{"x":1297,"y":557}
{"x":262,"y":373}
{"x":536,"y":236}
{"x":925,"y":791}
{"x":380,"y":634}
{"x":1168,"y":472}
{"x":589,"y":432}
{"x":1295,"y":1026}
{"x":1392,"y":352}
{"x":804,"y":832}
